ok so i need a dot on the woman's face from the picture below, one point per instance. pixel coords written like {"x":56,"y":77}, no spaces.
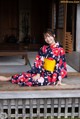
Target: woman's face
{"x":49,"y":39}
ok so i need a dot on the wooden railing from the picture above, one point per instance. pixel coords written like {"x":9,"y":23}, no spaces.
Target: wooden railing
{"x":40,"y":104}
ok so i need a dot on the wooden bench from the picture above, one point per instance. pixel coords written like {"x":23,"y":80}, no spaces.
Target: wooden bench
{"x":13,"y":50}
{"x":15,"y":53}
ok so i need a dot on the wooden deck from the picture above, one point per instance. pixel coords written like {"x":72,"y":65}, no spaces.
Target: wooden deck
{"x":72,"y":82}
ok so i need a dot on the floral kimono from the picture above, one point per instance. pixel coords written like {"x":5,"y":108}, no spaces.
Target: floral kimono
{"x":51,"y":52}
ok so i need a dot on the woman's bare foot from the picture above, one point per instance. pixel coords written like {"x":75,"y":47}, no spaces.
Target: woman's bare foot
{"x":3,"y":78}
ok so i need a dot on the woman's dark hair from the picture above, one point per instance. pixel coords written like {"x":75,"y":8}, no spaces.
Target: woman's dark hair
{"x":50,"y":32}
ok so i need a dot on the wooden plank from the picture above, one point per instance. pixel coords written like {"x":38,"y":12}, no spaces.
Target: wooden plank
{"x":79,"y":108}
{"x":23,"y":109}
{"x":76,"y":74}
{"x":1,"y":106}
{"x":45,"y":108}
{"x":40,"y":94}
{"x":66,"y":108}
{"x":73,"y":108}
{"x":31,"y":108}
{"x":72,"y":83}
{"x":9,"y":109}
{"x":16,"y":109}
{"x":38,"y":108}
{"x":52,"y":108}
{"x":59,"y":108}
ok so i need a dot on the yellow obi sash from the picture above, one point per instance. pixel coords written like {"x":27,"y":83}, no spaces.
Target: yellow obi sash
{"x":49,"y":64}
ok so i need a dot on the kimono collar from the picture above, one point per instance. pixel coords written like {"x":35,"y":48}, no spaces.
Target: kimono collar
{"x":54,"y":45}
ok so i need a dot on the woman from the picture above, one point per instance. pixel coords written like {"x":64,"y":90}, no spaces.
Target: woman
{"x":42,"y":72}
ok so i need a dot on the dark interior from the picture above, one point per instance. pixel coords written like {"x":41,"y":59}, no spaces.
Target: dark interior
{"x":10,"y":11}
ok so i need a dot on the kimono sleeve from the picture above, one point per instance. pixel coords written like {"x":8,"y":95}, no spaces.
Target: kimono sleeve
{"x":39,"y":60}
{"x":62,"y":69}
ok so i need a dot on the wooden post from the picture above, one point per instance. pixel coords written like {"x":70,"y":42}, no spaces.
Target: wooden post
{"x":73,"y":22}
{"x":52,"y":15}
{"x":65,"y":22}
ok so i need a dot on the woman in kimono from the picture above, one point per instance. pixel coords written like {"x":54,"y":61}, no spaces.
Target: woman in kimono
{"x":49,"y":67}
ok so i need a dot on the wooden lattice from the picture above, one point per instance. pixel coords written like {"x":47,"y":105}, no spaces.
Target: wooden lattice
{"x":37,"y":108}
{"x":43,"y":104}
{"x":68,"y":43}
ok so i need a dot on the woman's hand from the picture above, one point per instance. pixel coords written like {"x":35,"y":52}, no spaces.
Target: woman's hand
{"x":37,"y":76}
{"x":59,"y":83}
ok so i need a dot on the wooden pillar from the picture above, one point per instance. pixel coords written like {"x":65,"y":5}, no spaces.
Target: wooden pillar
{"x":73,"y":22}
{"x":78,"y":29}
{"x":65,"y":23}
{"x":52,"y":15}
